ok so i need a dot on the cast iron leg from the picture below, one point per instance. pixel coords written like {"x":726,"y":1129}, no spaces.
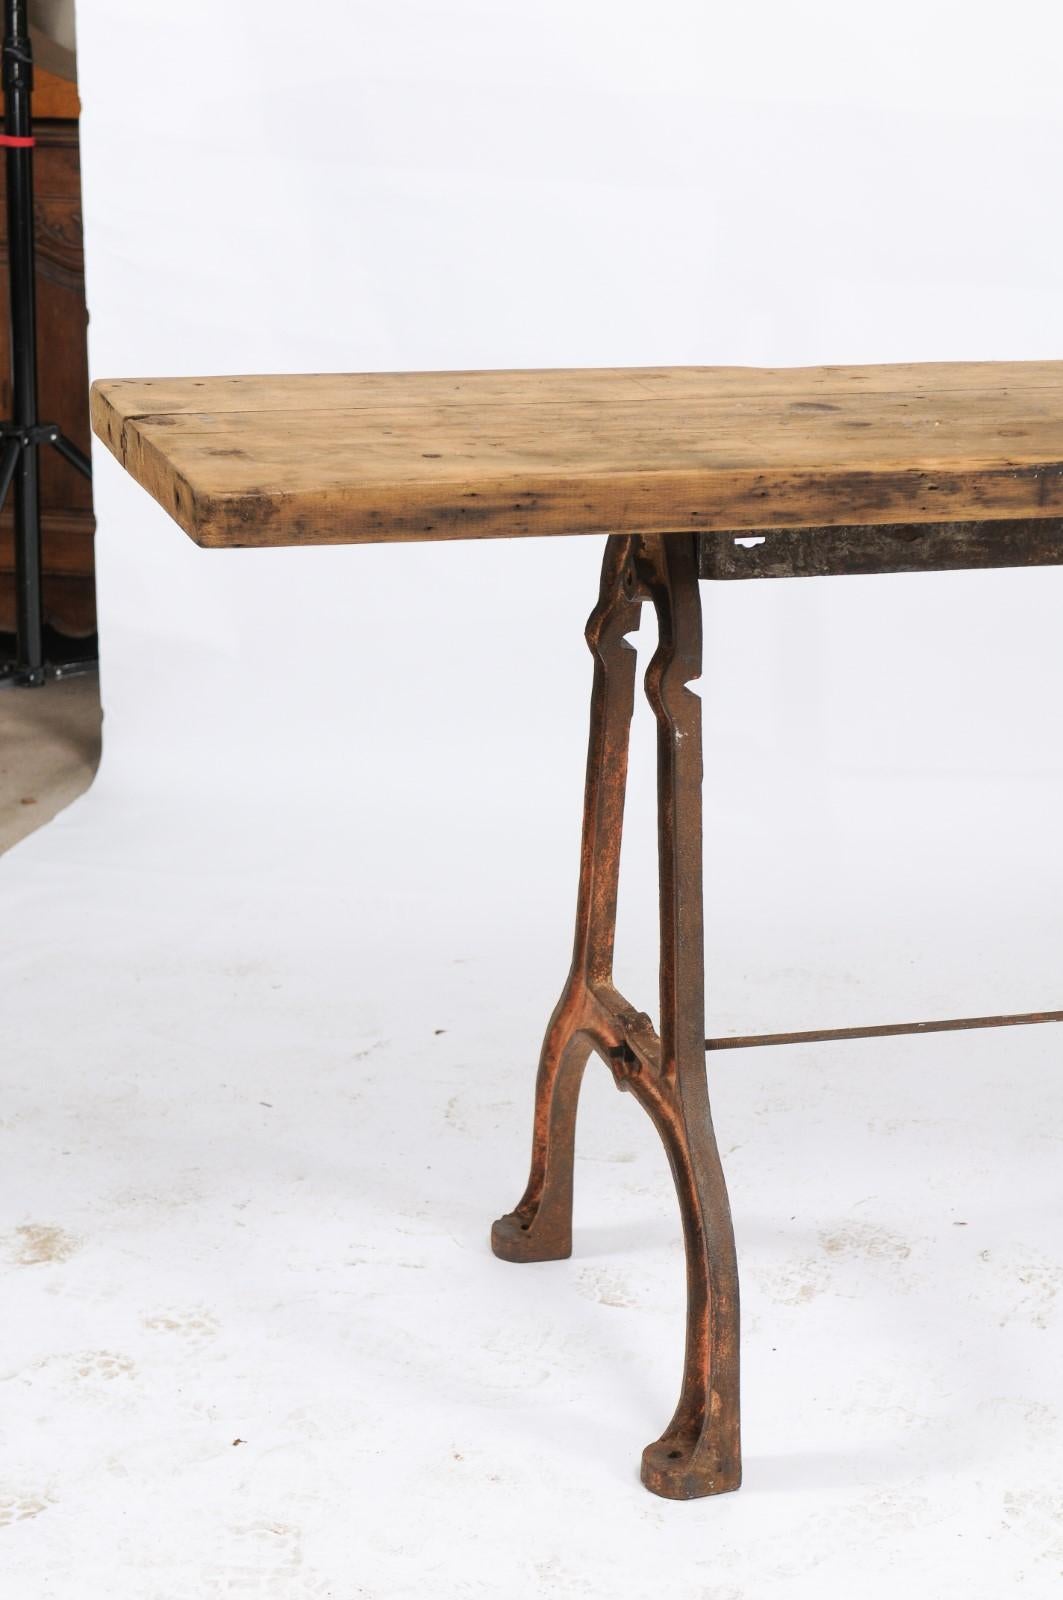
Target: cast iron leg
{"x":698,"y":1453}
{"x":541,"y":1227}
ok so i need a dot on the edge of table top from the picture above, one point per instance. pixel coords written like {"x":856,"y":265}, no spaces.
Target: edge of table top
{"x":699,"y":449}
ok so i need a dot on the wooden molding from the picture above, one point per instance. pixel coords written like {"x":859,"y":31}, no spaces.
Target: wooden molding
{"x":54,"y":97}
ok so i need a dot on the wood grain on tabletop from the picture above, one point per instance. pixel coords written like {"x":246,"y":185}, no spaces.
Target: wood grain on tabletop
{"x":359,"y":458}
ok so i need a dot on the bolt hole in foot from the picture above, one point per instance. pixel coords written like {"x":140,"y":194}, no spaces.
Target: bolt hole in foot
{"x":673,"y":1455}
{"x":524,"y":1227}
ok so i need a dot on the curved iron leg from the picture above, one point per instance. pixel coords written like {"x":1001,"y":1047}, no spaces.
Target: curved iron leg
{"x":540,"y":1229}
{"x":699,"y":1452}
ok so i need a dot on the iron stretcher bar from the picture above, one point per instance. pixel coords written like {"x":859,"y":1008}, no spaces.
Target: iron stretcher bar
{"x":888,"y":1030}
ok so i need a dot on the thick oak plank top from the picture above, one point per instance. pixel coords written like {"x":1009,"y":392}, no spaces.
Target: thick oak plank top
{"x":351,"y":459}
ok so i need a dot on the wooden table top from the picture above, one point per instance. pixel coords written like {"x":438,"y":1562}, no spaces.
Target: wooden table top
{"x":352,"y":459}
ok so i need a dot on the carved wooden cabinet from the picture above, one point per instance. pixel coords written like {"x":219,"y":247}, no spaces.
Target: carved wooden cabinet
{"x":67,"y":522}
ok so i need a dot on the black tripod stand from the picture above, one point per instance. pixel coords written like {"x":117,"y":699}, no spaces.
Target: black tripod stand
{"x":22,"y":436}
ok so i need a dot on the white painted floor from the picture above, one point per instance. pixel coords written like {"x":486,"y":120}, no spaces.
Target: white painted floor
{"x":245,"y":1183}
{"x":257,"y":1115}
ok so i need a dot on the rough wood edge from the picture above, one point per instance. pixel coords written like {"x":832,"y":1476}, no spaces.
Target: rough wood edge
{"x":552,"y":504}
{"x":865,"y":550}
{"x":144,"y":462}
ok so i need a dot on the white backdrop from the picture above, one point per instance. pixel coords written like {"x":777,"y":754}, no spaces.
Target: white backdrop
{"x":410,"y":186}
{"x":355,"y":774}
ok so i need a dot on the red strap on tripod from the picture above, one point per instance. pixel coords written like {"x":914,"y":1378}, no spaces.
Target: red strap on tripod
{"x":13,"y":141}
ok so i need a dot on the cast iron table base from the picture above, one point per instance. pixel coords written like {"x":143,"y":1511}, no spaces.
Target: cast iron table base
{"x":698,"y":1453}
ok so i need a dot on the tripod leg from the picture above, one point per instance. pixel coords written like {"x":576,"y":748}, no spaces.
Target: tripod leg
{"x":29,"y":609}
{"x":70,"y":452}
{"x":8,"y":463}
{"x":18,"y":124}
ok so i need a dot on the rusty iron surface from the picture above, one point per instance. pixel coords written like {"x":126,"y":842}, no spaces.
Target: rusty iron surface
{"x":895,"y":547}
{"x":699,"y":1451}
